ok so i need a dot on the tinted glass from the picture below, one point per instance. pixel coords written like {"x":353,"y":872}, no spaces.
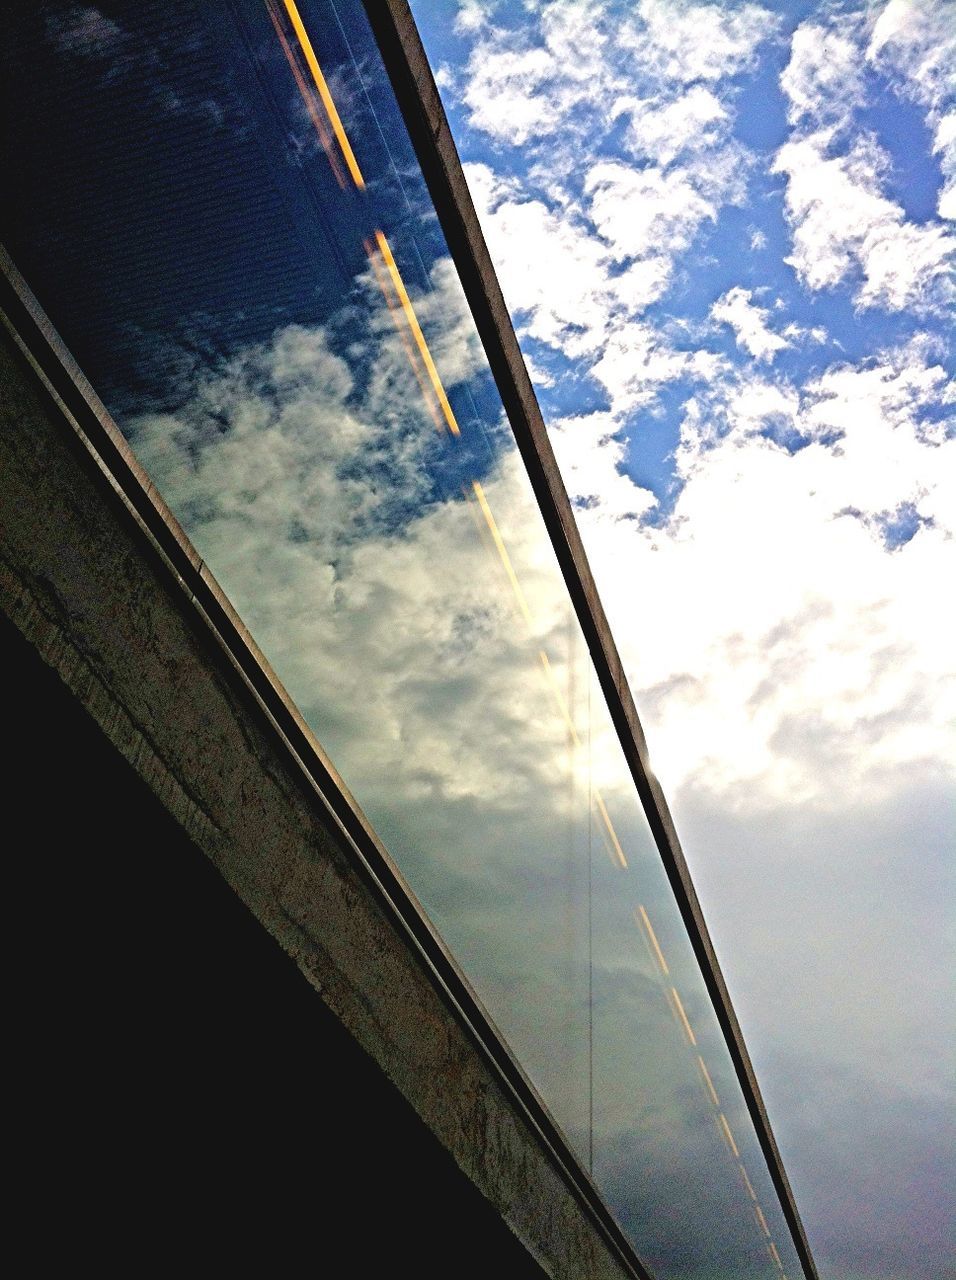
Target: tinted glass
{"x":220,"y":210}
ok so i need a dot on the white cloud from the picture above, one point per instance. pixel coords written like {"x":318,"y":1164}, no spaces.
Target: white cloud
{"x":556,"y":91}
{"x":844,"y":227}
{"x":569,"y":309}
{"x":694,"y":121}
{"x":682,"y":42}
{"x":749,"y":323}
{"x":784,"y":628}
{"x":641,"y":212}
{"x":637,"y":361}
{"x":914,"y":42}
{"x":823,"y":80}
{"x":810,"y":619}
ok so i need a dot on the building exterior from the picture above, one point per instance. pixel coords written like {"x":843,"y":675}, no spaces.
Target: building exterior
{"x":513,"y":1049}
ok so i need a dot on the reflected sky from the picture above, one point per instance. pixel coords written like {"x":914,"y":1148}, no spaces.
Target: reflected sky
{"x":222,"y":214}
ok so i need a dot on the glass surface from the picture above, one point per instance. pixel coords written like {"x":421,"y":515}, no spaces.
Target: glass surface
{"x":220,"y":210}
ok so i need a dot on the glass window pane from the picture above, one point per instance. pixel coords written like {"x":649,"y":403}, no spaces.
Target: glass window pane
{"x":220,"y":210}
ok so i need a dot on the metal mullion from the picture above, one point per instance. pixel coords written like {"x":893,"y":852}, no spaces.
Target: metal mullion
{"x":420,"y":103}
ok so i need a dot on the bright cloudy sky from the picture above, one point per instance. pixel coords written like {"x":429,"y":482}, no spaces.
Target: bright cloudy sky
{"x":726,"y":235}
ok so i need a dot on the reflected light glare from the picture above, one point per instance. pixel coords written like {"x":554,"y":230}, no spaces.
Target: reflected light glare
{"x":417,"y":332}
{"x":707,"y":1081}
{"x":762,"y":1220}
{"x":730,"y":1140}
{"x":307,"y":97}
{"x":749,"y":1184}
{"x":645,"y":921}
{"x":395,"y":312}
{"x":503,"y":553}
{"x":687,"y":1027}
{"x":324,"y":94}
{"x":615,"y":843}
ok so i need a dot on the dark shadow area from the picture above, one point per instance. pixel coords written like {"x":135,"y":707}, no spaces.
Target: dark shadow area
{"x":180,"y":1094}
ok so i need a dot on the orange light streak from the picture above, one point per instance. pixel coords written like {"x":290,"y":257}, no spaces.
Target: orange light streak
{"x":772,"y":1249}
{"x":707,"y":1081}
{"x":654,"y":943}
{"x":669,"y":992}
{"x":307,"y":97}
{"x":417,"y":332}
{"x":503,"y":553}
{"x":324,"y":94}
{"x":758,"y":1212}
{"x":686,"y":1024}
{"x":396,"y":314}
{"x":615,"y":843}
{"x":730,"y":1137}
{"x":753,"y":1194}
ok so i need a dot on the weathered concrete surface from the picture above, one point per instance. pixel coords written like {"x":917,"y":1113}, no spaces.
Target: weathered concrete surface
{"x":81,"y":581}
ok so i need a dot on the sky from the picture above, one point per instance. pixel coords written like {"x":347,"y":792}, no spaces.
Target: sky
{"x":725,"y":235}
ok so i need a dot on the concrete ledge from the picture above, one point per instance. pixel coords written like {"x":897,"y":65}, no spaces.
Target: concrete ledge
{"x":88,"y":589}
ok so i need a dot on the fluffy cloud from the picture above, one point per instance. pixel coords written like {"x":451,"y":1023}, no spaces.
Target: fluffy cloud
{"x":664,"y":69}
{"x":683,"y":42}
{"x":570,"y":310}
{"x":782,"y":623}
{"x":830,"y":627}
{"x":737,"y":309}
{"x":914,"y":42}
{"x":823,"y":81}
{"x":845,"y":228}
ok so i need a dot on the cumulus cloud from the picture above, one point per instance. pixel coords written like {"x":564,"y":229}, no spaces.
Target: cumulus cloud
{"x":845,"y":228}
{"x":914,"y":42}
{"x":683,"y":42}
{"x":797,"y":679}
{"x":737,"y":309}
{"x":823,"y":81}
{"x":830,"y":626}
{"x":663,"y":70}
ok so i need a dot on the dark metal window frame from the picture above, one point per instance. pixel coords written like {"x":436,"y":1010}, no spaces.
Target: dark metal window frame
{"x":418,"y":97}
{"x":95,"y":432}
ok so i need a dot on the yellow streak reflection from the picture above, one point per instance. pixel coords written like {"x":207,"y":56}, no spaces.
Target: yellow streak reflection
{"x":503,"y":553}
{"x":772,"y":1248}
{"x":324,"y":94}
{"x":654,"y":943}
{"x":672,"y":1005}
{"x":753,"y":1194}
{"x":417,"y":332}
{"x":307,"y":97}
{"x":615,"y":843}
{"x":396,"y":314}
{"x":686,"y":1024}
{"x":729,"y":1136}
{"x":707,"y":1081}
{"x":762,"y":1220}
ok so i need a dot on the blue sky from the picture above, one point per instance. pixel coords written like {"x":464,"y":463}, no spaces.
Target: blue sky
{"x":725,"y":233}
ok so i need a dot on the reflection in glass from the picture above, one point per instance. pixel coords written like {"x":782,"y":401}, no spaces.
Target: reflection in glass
{"x":221,"y":211}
